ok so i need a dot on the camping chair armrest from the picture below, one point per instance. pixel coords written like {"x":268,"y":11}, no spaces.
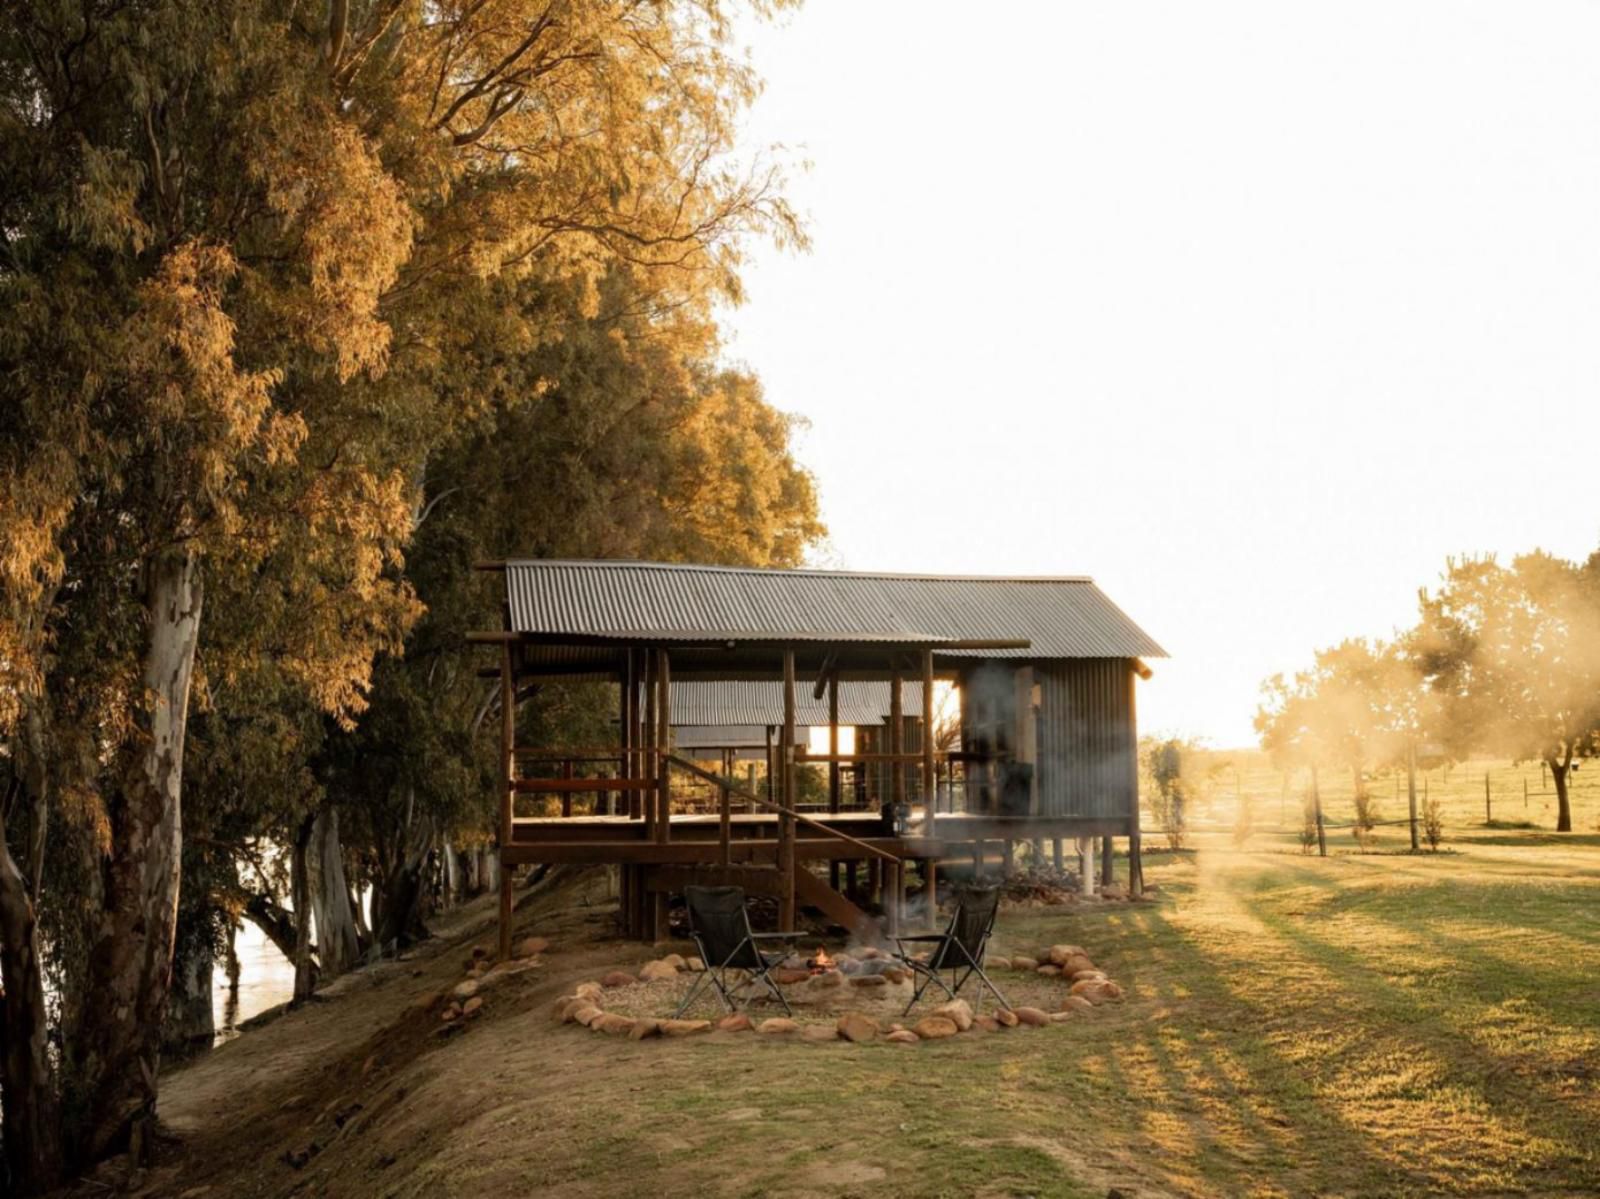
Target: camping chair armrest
{"x":775,"y":936}
{"x":922,"y":937}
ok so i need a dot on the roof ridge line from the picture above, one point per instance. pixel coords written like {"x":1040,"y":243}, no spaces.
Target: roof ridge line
{"x":714,"y":568}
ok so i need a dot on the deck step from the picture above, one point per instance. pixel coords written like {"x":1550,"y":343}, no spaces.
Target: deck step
{"x":815,"y":892}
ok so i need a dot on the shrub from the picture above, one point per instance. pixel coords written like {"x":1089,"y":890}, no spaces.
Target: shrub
{"x":1308,"y":826}
{"x":1366,"y":819}
{"x":1433,"y":823}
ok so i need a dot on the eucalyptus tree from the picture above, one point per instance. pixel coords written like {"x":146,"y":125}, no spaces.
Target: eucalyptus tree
{"x":232,"y":245}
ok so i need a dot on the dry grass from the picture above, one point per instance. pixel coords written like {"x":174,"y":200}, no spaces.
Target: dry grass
{"x":1377,"y":1024}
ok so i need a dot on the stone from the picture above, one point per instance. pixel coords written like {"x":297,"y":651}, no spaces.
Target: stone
{"x":818,"y":1032}
{"x":472,"y":1006}
{"x":614,"y":1025}
{"x":561,"y":1009}
{"x":903,"y":1036}
{"x":480,"y":951}
{"x":1084,"y":975}
{"x":529,"y":947}
{"x":1006,"y":1018}
{"x":738,"y":1022}
{"x":586,"y":1014}
{"x":684,"y":1028}
{"x":426,"y":1002}
{"x":870,"y":952}
{"x":786,"y":976}
{"x":868,"y":980}
{"x":1049,"y":970}
{"x":1024,"y":963}
{"x":452,"y":1011}
{"x":1062,"y":1017}
{"x":677,"y":961}
{"x":777,"y":1025}
{"x":1076,"y":1003}
{"x":465,"y":989}
{"x":618,"y":978}
{"x":1113,"y":891}
{"x":1062,"y":954}
{"x":501,"y":971}
{"x":934,"y":1028}
{"x":958,"y":1012}
{"x":587,"y":990}
{"x":829,"y":978}
{"x":896,"y":975}
{"x":857,"y":1027}
{"x":1097,"y":990}
{"x":1037,"y":1017}
{"x":694,"y":965}
{"x":994,"y":963}
{"x":644,"y":1028}
{"x":656,"y":971}
{"x":986,"y":1023}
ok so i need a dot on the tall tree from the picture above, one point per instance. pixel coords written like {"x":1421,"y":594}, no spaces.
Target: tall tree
{"x":1514,"y":653}
{"x":234,"y":246}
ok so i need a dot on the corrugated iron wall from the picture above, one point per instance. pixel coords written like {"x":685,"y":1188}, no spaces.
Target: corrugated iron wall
{"x":1088,"y":752}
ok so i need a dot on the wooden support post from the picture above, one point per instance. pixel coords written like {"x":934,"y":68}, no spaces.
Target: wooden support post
{"x":1008,"y":860}
{"x":664,"y":744}
{"x":1135,"y":863}
{"x":1086,"y":866}
{"x":786,"y":905}
{"x":630,"y":729}
{"x":833,"y":765}
{"x":930,"y":891}
{"x":772,"y":769}
{"x":1488,"y":808}
{"x":1411,"y":792}
{"x":647,"y":743}
{"x":897,"y":730}
{"x":725,"y":810}
{"x":1107,"y":861}
{"x":508,"y":764}
{"x":663,"y":831}
{"x":1316,"y":808}
{"x":1060,"y":858}
{"x":929,"y":783}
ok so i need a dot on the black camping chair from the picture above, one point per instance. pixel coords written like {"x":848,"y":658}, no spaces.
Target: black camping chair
{"x":721,"y":930}
{"x":959,"y":949}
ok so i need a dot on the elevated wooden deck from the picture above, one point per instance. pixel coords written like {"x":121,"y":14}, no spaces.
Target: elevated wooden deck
{"x":754,"y":837}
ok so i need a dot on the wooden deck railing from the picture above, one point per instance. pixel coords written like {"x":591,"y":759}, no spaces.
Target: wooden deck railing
{"x":730,"y":787}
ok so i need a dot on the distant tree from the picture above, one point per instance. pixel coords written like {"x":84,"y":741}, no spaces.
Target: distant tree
{"x":1164,"y":762}
{"x":1362,"y":705}
{"x":1513,"y":653}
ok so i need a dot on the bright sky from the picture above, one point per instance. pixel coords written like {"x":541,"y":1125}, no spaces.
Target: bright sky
{"x":1252,"y":311}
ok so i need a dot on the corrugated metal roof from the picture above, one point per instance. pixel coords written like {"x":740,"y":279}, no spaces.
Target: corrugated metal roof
{"x":1061,"y":617}
{"x":759,"y":703}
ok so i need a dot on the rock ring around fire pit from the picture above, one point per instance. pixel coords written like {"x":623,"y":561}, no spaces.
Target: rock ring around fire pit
{"x":852,"y":997}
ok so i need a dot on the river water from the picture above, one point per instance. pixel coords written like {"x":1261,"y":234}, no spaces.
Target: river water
{"x":266,"y":979}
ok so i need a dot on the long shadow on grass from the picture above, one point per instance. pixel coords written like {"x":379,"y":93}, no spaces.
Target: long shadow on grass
{"x":1510,"y":1097}
{"x":1215,"y":1005}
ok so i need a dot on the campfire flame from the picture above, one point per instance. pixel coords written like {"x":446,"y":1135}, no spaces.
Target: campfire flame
{"x":821,"y":961}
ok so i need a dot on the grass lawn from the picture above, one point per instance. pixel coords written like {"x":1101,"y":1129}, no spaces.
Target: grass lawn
{"x":1368,"y":1024}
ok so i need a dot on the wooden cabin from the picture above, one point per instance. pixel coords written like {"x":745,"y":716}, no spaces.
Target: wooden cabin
{"x":1043,"y":746}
